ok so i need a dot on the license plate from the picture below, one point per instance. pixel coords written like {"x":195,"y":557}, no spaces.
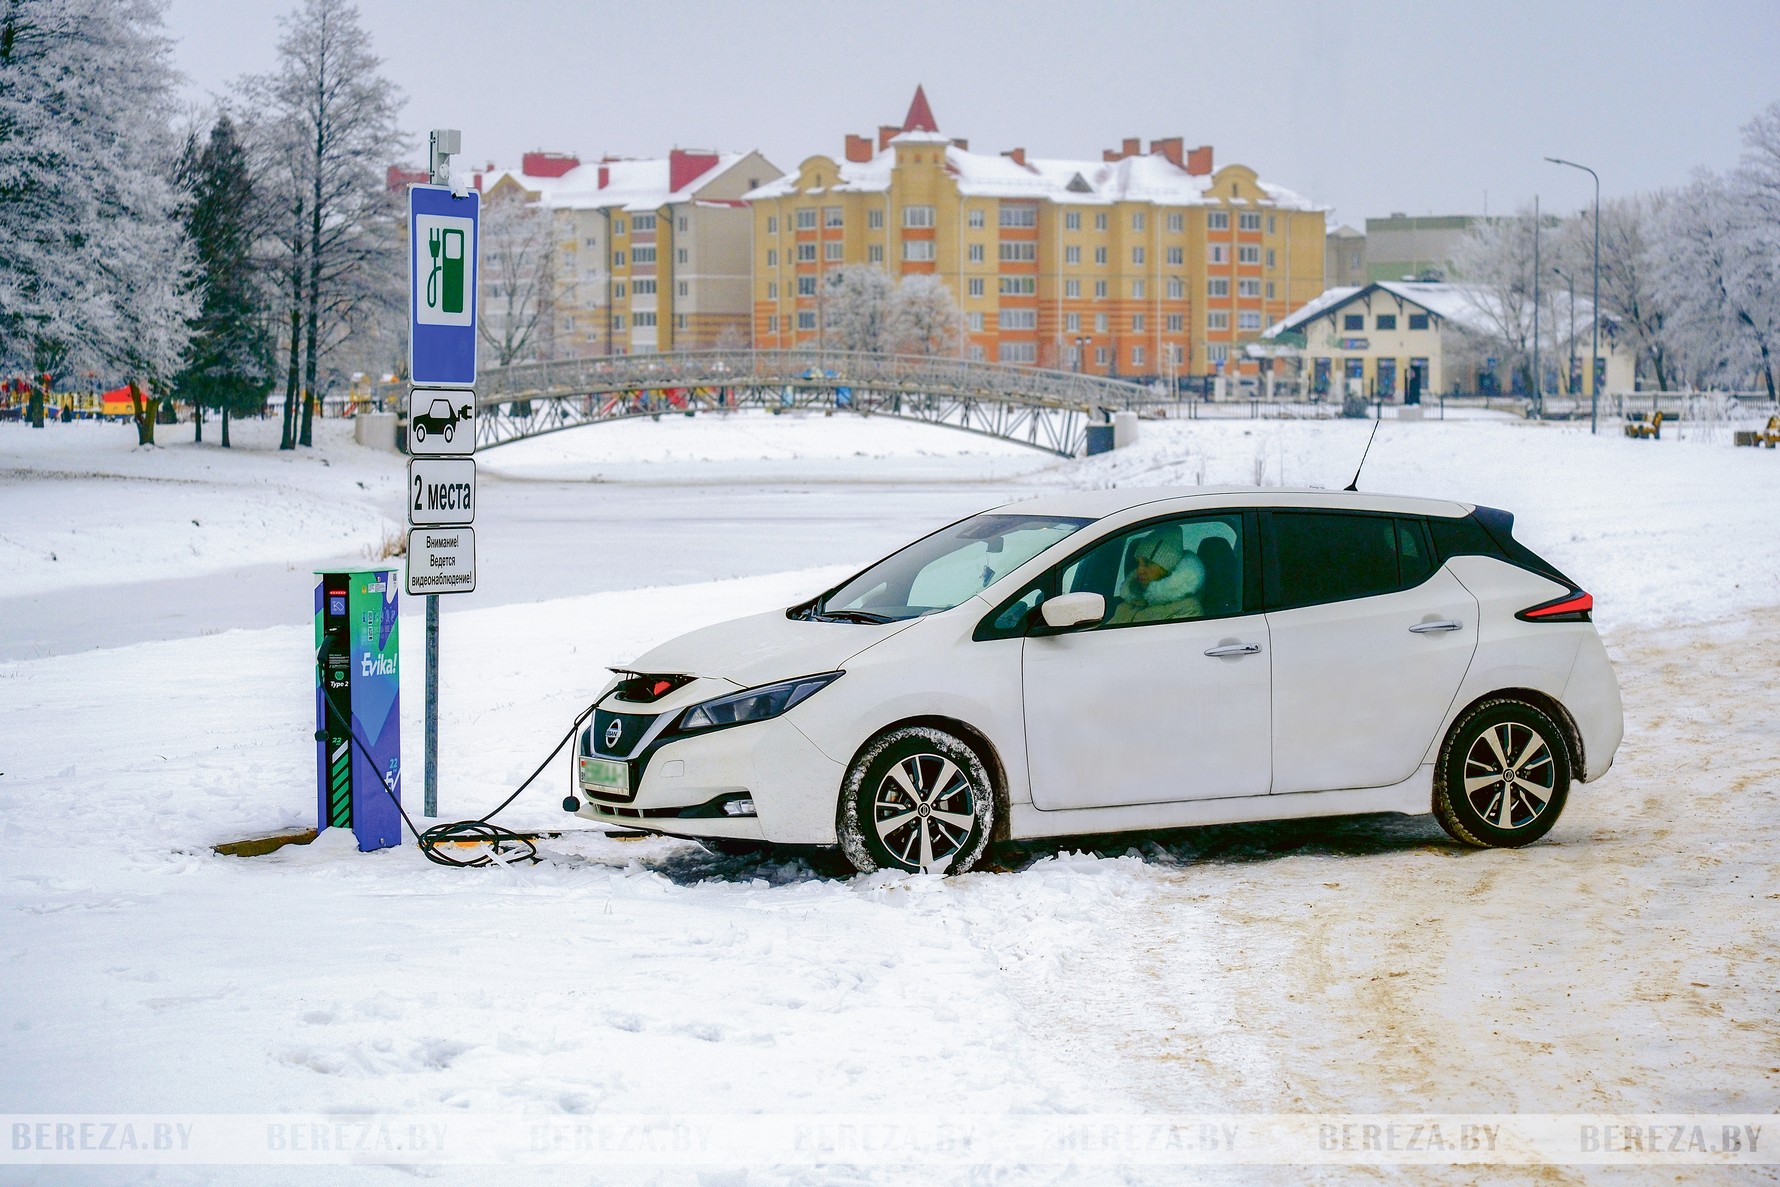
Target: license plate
{"x":604,"y":774}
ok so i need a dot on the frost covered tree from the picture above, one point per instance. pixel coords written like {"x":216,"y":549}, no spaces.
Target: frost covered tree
{"x":924,"y":319}
{"x":331,"y":118}
{"x":857,"y":309}
{"x":94,"y":266}
{"x":1629,"y":292}
{"x":229,"y":363}
{"x":1717,"y":275}
{"x":1496,"y":259}
{"x":515,"y":279}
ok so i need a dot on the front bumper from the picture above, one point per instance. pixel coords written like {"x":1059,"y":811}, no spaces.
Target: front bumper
{"x":683,"y":783}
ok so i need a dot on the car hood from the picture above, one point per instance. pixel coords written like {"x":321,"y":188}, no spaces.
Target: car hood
{"x":766,"y":647}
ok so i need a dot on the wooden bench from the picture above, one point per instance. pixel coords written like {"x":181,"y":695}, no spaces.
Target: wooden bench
{"x":1638,"y":428}
{"x":1769,"y":436}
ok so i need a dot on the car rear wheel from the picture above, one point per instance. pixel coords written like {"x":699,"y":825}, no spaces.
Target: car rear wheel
{"x":1503,"y":775}
{"x":919,"y":799}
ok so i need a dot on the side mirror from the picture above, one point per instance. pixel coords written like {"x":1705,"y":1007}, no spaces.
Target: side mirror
{"x":1072,"y":610}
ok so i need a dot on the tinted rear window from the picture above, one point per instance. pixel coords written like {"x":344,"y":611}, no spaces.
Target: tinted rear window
{"x":1321,"y":556}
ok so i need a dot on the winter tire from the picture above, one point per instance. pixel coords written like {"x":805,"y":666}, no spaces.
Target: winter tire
{"x":1503,"y":776}
{"x":917,"y":798}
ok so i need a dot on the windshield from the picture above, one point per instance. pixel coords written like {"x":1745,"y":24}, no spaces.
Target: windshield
{"x":945,"y":569}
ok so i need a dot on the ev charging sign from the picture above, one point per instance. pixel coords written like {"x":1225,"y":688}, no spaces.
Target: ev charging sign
{"x":442,"y":234}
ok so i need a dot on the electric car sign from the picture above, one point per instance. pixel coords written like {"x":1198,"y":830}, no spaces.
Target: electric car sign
{"x":441,"y":422}
{"x":442,"y":230}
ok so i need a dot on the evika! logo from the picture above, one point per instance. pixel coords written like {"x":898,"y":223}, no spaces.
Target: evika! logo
{"x":376,"y":665}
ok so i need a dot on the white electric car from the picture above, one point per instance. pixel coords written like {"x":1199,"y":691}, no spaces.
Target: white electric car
{"x":1127,"y":659}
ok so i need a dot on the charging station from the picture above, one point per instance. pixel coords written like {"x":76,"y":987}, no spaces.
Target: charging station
{"x":358,"y":696}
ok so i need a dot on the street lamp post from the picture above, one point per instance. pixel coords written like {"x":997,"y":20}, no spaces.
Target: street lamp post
{"x":1081,"y":346}
{"x":1594,"y":386}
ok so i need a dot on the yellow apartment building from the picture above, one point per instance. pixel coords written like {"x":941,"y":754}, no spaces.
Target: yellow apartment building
{"x":1139,"y":264}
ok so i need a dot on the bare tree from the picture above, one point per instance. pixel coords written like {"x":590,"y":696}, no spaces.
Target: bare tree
{"x":924,"y":319}
{"x":333,"y":117}
{"x":515,"y":279}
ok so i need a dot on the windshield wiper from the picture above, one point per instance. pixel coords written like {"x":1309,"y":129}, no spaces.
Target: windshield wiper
{"x":849,"y":616}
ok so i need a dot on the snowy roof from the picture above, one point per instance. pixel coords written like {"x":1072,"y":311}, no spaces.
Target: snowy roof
{"x":1151,"y":178}
{"x":1468,"y":306}
{"x":639,"y":185}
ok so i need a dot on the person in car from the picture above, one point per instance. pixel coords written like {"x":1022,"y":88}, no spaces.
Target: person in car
{"x":1164,"y":581}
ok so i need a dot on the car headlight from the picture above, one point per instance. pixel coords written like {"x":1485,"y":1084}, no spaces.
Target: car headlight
{"x":752,"y":704}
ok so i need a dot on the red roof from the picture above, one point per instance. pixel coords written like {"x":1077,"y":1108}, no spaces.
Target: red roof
{"x":920,"y":116}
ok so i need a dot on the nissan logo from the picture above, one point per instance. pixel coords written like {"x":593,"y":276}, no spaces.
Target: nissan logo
{"x":614,"y":732}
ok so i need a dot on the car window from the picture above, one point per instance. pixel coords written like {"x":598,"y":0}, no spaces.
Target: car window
{"x":1320,"y":557}
{"x":947,"y":568}
{"x":1172,"y":571}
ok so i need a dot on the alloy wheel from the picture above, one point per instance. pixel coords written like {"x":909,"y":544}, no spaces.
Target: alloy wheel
{"x":1510,"y":777}
{"x":923,"y":811}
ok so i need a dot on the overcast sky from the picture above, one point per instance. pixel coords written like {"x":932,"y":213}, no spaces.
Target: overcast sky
{"x":1368,"y":107}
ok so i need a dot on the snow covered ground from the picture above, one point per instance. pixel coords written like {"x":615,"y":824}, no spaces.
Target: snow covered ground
{"x":1626,"y":964}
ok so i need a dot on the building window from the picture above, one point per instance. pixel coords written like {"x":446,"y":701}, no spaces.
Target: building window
{"x":917,"y":216}
{"x":1353,"y":321}
{"x":1100,"y":255}
{"x":917,"y":249}
{"x":682,"y":224}
{"x":617,"y":227}
{"x":1248,"y":253}
{"x":975,"y":320}
{"x":1072,"y":322}
{"x":1176,"y":323}
{"x":1176,"y":355}
{"x":617,"y":321}
{"x":643,"y":320}
{"x":679,"y":321}
{"x":1217,"y":319}
{"x":1248,"y":319}
{"x":875,"y":253}
{"x":772,"y":257}
{"x":975,"y":220}
{"x":874,"y":219}
{"x":642,"y":253}
{"x":1387,"y":321}
{"x":1248,"y":288}
{"x":830,"y":250}
{"x":1102,"y":356}
{"x":772,"y":323}
{"x":1217,"y":286}
{"x":1100,"y":220}
{"x":618,"y":259}
{"x":1100,"y":290}
{"x":976,"y":253}
{"x":1137,"y":323}
{"x":642,"y":287}
{"x":1248,"y":220}
{"x":1176,"y":221}
{"x":618,"y":290}
{"x":1270,"y":257}
{"x":772,"y":224}
{"x":976,"y":354}
{"x":1137,"y":221}
{"x":1100,"y":323}
{"x":806,"y":253}
{"x":1018,"y":352}
{"x":1219,"y":353}
{"x":1218,"y":253}
{"x":1177,"y":256}
{"x":680,"y":255}
{"x":1218,"y":220}
{"x":1072,"y":220}
{"x":1021,"y":251}
{"x":1019,"y":319}
{"x":772,"y":290}
{"x":831,"y":216}
{"x":806,"y":320}
{"x":1019,"y":286}
{"x":806,"y":219}
{"x":806,"y":286}
{"x":1072,"y":255}
{"x":1019,"y":215}
{"x":1270,"y":224}
{"x":1137,"y":255}
{"x":1418,"y":321}
{"x":1072,"y":289}
{"x":976,"y":286}
{"x":642,"y":222}
{"x":1270,"y":290}
{"x":1177,"y":289}
{"x":1137,"y":356}
{"x":1137,"y":290}
{"x":684,"y":288}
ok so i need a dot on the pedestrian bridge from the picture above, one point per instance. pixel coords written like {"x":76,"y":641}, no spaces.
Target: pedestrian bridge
{"x":1048,"y":410}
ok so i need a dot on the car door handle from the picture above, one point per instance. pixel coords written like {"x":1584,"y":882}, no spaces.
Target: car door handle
{"x":1429,"y":628}
{"x":1235,"y":649}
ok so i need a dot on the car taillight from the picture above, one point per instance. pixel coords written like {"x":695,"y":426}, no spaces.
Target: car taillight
{"x":1575,"y":606}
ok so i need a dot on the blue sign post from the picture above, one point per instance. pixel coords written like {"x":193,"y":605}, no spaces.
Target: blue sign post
{"x":442,"y":230}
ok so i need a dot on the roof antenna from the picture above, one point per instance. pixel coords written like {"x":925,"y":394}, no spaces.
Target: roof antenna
{"x":1355,"y":484}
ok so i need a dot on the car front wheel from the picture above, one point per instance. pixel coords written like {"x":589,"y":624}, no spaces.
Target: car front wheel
{"x":419,"y":431}
{"x":919,"y":799}
{"x":1503,"y":775}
